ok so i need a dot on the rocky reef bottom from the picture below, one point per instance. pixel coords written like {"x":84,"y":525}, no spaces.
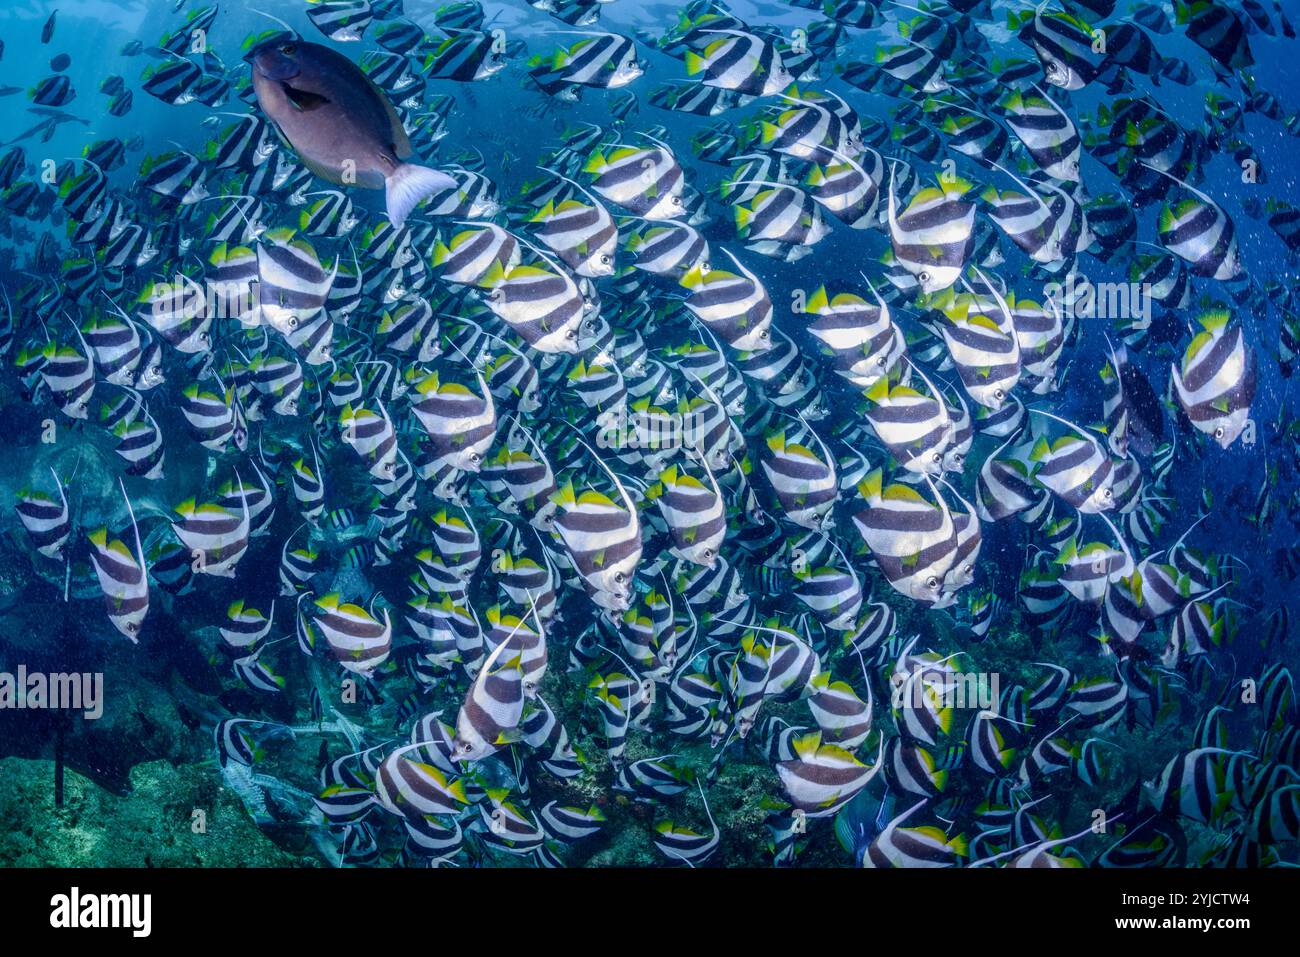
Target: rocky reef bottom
{"x":153,"y":825}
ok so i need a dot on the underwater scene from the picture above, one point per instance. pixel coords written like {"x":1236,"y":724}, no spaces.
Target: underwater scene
{"x":722,"y":433}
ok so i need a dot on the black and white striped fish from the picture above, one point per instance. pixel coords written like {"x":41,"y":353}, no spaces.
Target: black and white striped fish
{"x":913,"y":540}
{"x":123,"y":576}
{"x":460,"y":423}
{"x":601,"y":60}
{"x":647,"y":182}
{"x":216,"y":536}
{"x":1215,"y":382}
{"x":583,"y":235}
{"x":668,"y":249}
{"x":357,"y":640}
{"x":916,"y":428}
{"x":603,"y":539}
{"x":822,"y":778}
{"x":694,"y":511}
{"x":1046,"y":131}
{"x":1199,"y":232}
{"x":490,"y":715}
{"x":683,"y":844}
{"x":48,"y":523}
{"x":1075,"y":467}
{"x":735,"y":60}
{"x":734,"y":306}
{"x":933,"y":235}
{"x":540,"y":302}
{"x":292,"y":283}
{"x":981,"y":339}
{"x":805,"y":480}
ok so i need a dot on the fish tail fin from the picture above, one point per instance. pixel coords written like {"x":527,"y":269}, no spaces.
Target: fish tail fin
{"x":407,"y":185}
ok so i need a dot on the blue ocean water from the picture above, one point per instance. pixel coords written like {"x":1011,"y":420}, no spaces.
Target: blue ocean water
{"x":173,"y":688}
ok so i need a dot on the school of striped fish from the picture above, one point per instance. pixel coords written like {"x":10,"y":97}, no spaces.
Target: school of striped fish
{"x":837,"y":432}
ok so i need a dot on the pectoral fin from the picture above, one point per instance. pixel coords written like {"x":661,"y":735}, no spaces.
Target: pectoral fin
{"x":304,"y":100}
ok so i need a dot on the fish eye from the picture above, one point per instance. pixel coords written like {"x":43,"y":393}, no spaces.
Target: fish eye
{"x":293,"y":322}
{"x":288,"y":49}
{"x":999,"y":394}
{"x":932,"y":582}
{"x":923,"y":276}
{"x":620,"y":577}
